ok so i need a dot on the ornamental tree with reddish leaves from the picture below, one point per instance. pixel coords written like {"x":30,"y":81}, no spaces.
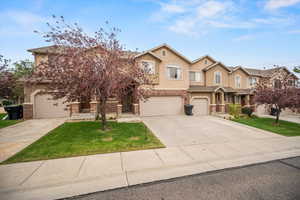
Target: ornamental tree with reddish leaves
{"x":7,"y":79}
{"x":281,"y":94}
{"x":84,"y":66}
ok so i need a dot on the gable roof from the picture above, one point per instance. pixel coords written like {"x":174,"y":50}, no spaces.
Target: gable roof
{"x":171,"y":49}
{"x":215,"y":64}
{"x":241,"y":68}
{"x":203,"y":57}
{"x":148,"y":52}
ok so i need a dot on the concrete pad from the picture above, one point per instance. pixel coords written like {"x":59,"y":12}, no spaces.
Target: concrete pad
{"x":15,"y":174}
{"x":139,"y":160}
{"x":138,"y":177}
{"x":55,"y":171}
{"x":101,"y":165}
{"x":223,"y":150}
{"x":200,"y":153}
{"x":69,"y":190}
{"x":173,"y":155}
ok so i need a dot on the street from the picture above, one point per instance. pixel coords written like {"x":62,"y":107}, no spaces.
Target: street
{"x":269,"y":181}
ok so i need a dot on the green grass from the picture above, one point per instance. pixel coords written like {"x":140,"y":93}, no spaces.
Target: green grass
{"x":85,"y":138}
{"x":284,"y":128}
{"x":5,"y":123}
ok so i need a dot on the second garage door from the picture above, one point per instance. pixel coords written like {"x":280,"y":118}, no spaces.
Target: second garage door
{"x":156,"y":106}
{"x":46,"y":107}
{"x":200,"y":106}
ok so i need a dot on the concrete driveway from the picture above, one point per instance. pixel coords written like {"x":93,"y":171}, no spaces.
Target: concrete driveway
{"x":191,"y":130}
{"x":15,"y":138}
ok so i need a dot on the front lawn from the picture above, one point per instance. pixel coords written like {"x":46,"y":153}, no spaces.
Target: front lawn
{"x":5,"y":123}
{"x":84,"y":138}
{"x":284,"y":128}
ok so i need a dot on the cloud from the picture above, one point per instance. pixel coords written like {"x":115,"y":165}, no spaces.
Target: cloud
{"x":212,"y":9}
{"x":276,"y":4}
{"x":172,"y":8}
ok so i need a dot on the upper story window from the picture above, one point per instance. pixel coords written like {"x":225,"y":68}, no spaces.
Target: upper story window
{"x":148,"y":66}
{"x":217,"y":78}
{"x":205,"y":61}
{"x":195,"y":76}
{"x":291,"y":82}
{"x":277,"y":84}
{"x":174,"y":72}
{"x":252,"y":81}
{"x":163,"y":52}
{"x":237,"y":81}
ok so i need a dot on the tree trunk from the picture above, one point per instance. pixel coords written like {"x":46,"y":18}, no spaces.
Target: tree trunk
{"x":103,"y":113}
{"x":277,"y":115}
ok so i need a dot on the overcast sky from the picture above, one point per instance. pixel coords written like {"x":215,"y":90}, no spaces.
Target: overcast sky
{"x":251,"y":33}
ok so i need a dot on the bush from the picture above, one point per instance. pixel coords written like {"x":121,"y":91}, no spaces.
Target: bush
{"x":247,"y":110}
{"x":6,"y":103}
{"x":235,"y":110}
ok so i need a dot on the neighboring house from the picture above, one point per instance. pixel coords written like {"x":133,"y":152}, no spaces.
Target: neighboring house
{"x":205,"y":83}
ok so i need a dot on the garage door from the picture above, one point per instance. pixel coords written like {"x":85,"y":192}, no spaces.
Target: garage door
{"x":155,"y":106}
{"x":200,"y":106}
{"x":46,"y":107}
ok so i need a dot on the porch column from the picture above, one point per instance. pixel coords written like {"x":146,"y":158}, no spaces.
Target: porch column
{"x":222,"y":105}
{"x":135,"y":108}
{"x":93,"y":106}
{"x":213,"y":103}
{"x":247,"y":100}
{"x":27,"y":111}
{"x":75,"y":107}
{"x":119,"y":110}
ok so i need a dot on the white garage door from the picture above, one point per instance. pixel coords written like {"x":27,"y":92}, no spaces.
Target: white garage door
{"x":46,"y":107}
{"x":200,"y":106}
{"x":156,"y":106}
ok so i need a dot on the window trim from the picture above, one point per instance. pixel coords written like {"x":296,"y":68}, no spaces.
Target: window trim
{"x":216,"y":79}
{"x":149,"y":61}
{"x":235,"y":81}
{"x":196,"y":71}
{"x":174,"y":66}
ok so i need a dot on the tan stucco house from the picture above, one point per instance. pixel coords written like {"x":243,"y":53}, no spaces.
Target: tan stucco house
{"x":205,"y":83}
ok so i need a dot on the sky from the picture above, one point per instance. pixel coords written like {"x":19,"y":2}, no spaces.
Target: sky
{"x":250,"y":33}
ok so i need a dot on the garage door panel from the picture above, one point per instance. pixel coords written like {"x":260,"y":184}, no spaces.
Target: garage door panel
{"x":156,"y":106}
{"x":46,"y":107}
{"x":200,"y":106}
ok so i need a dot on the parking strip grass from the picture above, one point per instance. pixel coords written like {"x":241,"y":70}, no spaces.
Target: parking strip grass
{"x":283,"y":128}
{"x":86,"y":138}
{"x":6,"y":123}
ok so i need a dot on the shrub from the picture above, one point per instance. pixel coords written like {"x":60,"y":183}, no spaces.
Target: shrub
{"x":247,"y":110}
{"x":6,"y":103}
{"x":235,"y":110}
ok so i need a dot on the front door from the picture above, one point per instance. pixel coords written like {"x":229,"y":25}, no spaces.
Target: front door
{"x":127,"y":103}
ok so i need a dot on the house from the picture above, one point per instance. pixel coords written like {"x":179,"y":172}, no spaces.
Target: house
{"x":206,"y":83}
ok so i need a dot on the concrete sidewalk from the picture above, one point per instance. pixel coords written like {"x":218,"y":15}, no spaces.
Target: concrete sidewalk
{"x":290,"y":118}
{"x":59,"y":178}
{"x":16,"y":137}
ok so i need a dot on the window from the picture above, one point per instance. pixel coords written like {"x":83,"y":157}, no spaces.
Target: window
{"x":217,"y":77}
{"x":149,"y":67}
{"x":195,"y":76}
{"x":163,"y":52}
{"x":291,"y":83}
{"x":205,"y":61}
{"x":252,"y":81}
{"x":277,"y":84}
{"x":174,"y":72}
{"x":237,"y":81}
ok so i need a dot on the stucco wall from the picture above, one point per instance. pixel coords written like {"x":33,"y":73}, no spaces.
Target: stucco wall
{"x":244,"y":79}
{"x":224,"y":76}
{"x":199,"y":66}
{"x":171,"y":58}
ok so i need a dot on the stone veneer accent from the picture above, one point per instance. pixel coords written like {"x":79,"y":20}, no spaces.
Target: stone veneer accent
{"x":27,"y":111}
{"x":119,"y":110}
{"x":135,"y":108}
{"x":75,"y":107}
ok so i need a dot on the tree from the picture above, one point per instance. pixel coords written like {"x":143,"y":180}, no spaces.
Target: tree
{"x":297,"y":69}
{"x":282,"y":95}
{"x":7,"y":79}
{"x":90,"y":66}
{"x":22,"y":69}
